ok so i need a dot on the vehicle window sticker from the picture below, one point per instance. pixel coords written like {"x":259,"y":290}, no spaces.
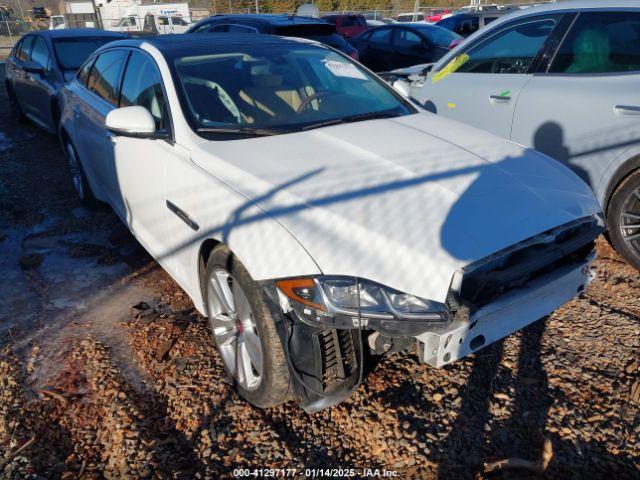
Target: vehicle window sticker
{"x":450,"y":67}
{"x":344,"y":69}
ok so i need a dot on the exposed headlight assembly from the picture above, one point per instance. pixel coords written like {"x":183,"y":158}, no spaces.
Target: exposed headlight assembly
{"x":351,"y":302}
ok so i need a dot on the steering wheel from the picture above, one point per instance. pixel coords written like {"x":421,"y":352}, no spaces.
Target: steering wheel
{"x":307,"y":101}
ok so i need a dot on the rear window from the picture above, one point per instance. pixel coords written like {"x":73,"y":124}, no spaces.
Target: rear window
{"x":305,"y":30}
{"x":72,"y":52}
{"x":439,"y":36}
{"x":354,"y":21}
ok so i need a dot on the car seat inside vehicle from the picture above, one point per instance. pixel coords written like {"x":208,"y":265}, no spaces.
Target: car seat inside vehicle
{"x":591,"y":53}
{"x":268,"y":94}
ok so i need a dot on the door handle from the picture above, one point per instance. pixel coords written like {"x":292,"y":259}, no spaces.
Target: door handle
{"x":626,"y":110}
{"x":496,"y":99}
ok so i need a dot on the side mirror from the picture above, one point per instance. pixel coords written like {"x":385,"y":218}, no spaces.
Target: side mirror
{"x":33,"y":67}
{"x":133,"y":121}
{"x":402,"y":87}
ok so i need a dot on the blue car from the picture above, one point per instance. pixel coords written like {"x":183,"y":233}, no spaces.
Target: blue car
{"x":40,"y":63}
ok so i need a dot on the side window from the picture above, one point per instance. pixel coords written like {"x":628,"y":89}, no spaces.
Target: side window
{"x":240,"y":29}
{"x":105,"y":74}
{"x":219,"y":28}
{"x":25,"y":48}
{"x":488,"y":20}
{"x":202,"y":28}
{"x":381,"y":35}
{"x":15,"y":53}
{"x":142,"y":85}
{"x":406,"y":39}
{"x":603,"y":42}
{"x":467,"y":26}
{"x":509,"y":50}
{"x":448,"y":23}
{"x":83,"y":74}
{"x":178,"y":21}
{"x":40,"y":53}
{"x":163,"y":21}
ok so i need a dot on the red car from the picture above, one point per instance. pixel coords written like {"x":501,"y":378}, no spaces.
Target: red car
{"x":347,"y":25}
{"x":436,"y":16}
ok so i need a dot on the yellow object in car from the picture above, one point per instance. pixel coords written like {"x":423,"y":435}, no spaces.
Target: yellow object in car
{"x":450,"y":67}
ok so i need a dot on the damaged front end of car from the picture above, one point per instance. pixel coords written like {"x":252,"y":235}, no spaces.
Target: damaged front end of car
{"x":328,"y":325}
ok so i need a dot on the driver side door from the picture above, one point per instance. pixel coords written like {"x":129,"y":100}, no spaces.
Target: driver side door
{"x":481,"y":84}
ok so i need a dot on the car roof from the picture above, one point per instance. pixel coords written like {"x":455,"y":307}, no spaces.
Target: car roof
{"x":270,"y":18}
{"x":480,"y":13}
{"x":185,"y":43}
{"x":78,"y":32}
{"x":569,"y":5}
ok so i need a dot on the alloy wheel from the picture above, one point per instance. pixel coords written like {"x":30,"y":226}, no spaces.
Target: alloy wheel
{"x":76,"y":173}
{"x":234,"y":329}
{"x":630,"y":221}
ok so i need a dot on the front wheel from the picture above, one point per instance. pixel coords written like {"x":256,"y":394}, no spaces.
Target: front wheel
{"x":244,"y":331}
{"x":623,"y":219}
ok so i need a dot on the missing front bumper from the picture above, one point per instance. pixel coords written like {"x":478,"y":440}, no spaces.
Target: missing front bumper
{"x":510,"y":313}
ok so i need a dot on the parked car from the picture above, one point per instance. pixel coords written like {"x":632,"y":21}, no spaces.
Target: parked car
{"x":435,"y":16}
{"x":313,"y":214}
{"x":348,"y":25}
{"x":562,"y":78}
{"x":40,"y":63}
{"x":402,"y":45}
{"x":465,"y":24}
{"x":410,"y":17}
{"x":285,"y":25}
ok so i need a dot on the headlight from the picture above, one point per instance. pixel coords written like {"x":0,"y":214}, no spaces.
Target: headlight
{"x":350,"y":302}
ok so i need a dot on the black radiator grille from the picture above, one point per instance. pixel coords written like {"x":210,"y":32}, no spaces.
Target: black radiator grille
{"x":484,"y":281}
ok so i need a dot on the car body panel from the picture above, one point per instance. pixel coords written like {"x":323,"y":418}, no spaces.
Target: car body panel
{"x":346,"y":185}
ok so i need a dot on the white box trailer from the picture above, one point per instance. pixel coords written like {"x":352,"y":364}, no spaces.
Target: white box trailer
{"x":160,"y":18}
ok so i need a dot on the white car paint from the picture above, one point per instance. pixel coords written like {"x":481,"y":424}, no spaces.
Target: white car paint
{"x":405,"y":202}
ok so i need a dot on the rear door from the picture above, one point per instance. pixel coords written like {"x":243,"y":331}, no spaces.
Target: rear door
{"x":409,"y":47}
{"x":481,"y":84}
{"x":583,"y":108}
{"x":163,"y":25}
{"x":95,"y":147}
{"x":21,"y":79}
{"x":178,"y":25}
{"x":376,"y":50}
{"x":40,"y":89}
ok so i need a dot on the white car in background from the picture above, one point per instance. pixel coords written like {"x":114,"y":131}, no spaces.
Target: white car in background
{"x":562,"y":78}
{"x":312,"y":213}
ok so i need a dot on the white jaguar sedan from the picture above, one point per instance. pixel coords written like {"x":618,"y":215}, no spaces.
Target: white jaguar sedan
{"x":316,"y":216}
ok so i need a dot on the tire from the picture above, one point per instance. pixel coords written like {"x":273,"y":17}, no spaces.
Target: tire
{"x":623,"y":219}
{"x":236,"y":330}
{"x":79,"y":178}
{"x":16,"y":109}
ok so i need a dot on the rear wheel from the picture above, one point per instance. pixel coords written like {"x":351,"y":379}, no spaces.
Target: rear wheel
{"x":244,"y":331}
{"x":16,"y":109}
{"x":78,"y":177}
{"x":623,"y":219}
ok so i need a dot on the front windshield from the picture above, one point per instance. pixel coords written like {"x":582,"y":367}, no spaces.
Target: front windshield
{"x":72,"y":52}
{"x":280,"y":88}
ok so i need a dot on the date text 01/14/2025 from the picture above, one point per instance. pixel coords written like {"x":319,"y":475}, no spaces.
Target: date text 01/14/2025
{"x":315,"y":472}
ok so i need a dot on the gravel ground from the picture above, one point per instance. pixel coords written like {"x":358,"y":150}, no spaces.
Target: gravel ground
{"x":87,"y":390}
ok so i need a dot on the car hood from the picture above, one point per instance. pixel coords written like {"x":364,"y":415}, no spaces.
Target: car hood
{"x":406,"y":201}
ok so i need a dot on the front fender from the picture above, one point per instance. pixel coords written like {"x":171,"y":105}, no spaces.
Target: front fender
{"x":616,"y":171}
